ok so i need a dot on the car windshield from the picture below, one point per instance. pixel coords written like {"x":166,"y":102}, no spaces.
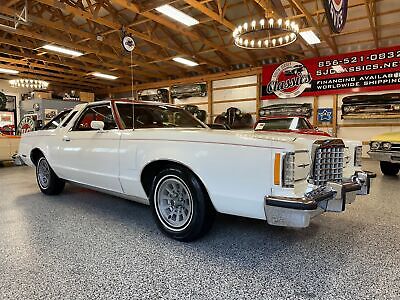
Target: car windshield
{"x":53,"y":123}
{"x":282,"y":124}
{"x":156,"y":116}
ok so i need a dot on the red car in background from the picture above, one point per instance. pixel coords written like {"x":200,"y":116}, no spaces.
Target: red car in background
{"x":288,"y":124}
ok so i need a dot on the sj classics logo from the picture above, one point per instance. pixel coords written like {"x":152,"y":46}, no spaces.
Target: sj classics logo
{"x":289,"y":80}
{"x":336,"y":14}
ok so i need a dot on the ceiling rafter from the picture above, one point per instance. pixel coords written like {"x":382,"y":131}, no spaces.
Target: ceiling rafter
{"x":372,"y":21}
{"x":116,"y":26}
{"x":309,"y":17}
{"x":82,"y":59}
{"x":68,"y":29}
{"x":178,"y":28}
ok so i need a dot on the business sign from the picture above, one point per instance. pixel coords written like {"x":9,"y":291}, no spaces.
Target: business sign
{"x":325,"y":115}
{"x":27,"y":124}
{"x":336,"y":14}
{"x":365,"y":71}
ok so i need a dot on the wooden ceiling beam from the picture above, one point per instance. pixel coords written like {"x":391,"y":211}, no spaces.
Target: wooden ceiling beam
{"x":313,"y":23}
{"x":228,"y":24}
{"x":110,"y":24}
{"x":62,"y":72}
{"x":69,"y":29}
{"x":85,"y":49}
{"x":178,"y":44}
{"x":178,"y":28}
{"x":82,"y":59}
{"x":24,"y":72}
{"x":372,"y":22}
{"x":11,"y":3}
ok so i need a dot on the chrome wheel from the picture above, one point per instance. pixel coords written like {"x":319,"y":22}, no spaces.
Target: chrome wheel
{"x":43,"y":173}
{"x":174,"y":203}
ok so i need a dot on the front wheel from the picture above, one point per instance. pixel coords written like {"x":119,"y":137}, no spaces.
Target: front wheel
{"x":180,"y":205}
{"x":49,"y":183}
{"x":389,"y":168}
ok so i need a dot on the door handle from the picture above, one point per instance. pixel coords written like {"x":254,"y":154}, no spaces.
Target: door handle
{"x":66,"y":139}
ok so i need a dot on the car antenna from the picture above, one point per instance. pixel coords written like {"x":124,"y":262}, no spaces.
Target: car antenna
{"x":132,"y":94}
{"x":128,"y":43}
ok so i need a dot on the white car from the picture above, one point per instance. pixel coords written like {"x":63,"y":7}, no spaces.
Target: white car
{"x":186,"y":171}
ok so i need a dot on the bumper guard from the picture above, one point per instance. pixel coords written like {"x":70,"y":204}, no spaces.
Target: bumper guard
{"x":297,"y":212}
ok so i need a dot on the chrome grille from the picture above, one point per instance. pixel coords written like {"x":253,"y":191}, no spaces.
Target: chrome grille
{"x":395,"y":147}
{"x":328,"y":163}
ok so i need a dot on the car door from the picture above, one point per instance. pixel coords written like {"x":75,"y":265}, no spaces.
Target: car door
{"x":90,"y":156}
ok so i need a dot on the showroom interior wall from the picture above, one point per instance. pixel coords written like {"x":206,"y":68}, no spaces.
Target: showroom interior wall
{"x":8,"y":90}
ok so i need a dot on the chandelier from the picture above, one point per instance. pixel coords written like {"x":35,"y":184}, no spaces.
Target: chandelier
{"x":29,"y":83}
{"x":268,"y":33}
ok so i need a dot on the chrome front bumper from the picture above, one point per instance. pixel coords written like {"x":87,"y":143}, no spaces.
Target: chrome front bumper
{"x":390,"y":156}
{"x":297,"y":212}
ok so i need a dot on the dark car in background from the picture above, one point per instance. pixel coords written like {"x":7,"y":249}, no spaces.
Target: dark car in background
{"x":157,"y":95}
{"x":288,"y":109}
{"x":371,"y":106}
{"x":190,"y":90}
{"x":234,"y":118}
{"x":195,"y":111}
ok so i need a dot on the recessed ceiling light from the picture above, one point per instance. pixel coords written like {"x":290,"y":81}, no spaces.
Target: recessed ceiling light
{"x":8,"y":71}
{"x":185,"y":61}
{"x":104,"y":76}
{"x":177,"y":15}
{"x":62,"y":50}
{"x":310,"y":37}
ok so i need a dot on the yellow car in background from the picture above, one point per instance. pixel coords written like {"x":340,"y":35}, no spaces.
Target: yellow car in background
{"x":9,"y":145}
{"x":386,"y":149}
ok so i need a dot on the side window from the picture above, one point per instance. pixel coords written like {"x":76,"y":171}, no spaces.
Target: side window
{"x":53,"y":123}
{"x":146,"y":116}
{"x":302,"y":124}
{"x":68,"y":119}
{"x":96,"y":113}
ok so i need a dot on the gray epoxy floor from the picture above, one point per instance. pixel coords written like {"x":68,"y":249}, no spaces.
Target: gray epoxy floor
{"x":87,"y":245}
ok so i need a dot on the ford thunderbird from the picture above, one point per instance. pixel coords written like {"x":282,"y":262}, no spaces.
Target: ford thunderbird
{"x":161,"y":155}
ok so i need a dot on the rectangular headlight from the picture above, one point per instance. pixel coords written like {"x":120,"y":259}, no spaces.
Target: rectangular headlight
{"x":357,"y":156}
{"x":288,"y":170}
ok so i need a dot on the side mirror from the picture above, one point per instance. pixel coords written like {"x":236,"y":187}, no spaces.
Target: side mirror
{"x":97,"y":125}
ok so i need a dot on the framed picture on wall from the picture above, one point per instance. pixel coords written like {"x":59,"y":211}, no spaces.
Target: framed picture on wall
{"x":50,"y":113}
{"x":11,"y":103}
{"x":7,"y":125}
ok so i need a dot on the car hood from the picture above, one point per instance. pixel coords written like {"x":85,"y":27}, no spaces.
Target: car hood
{"x":387,"y":137}
{"x":299,"y":131}
{"x":287,"y":141}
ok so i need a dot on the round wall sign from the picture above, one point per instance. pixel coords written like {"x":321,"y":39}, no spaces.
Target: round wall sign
{"x":336,"y":14}
{"x":27,"y":124}
{"x":128,"y":43}
{"x":289,"y":80}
